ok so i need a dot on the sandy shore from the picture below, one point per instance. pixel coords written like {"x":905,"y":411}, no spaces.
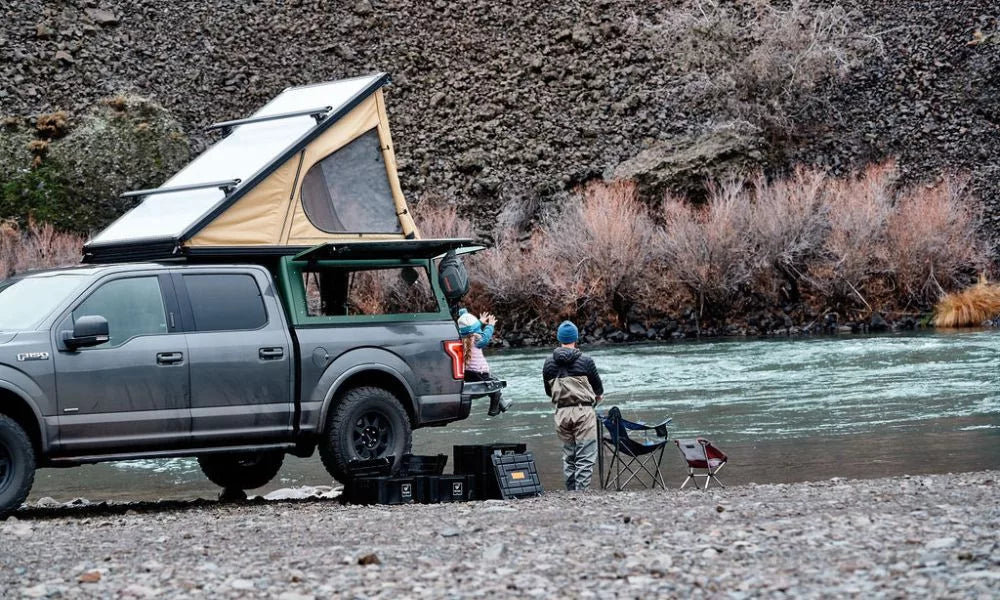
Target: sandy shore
{"x":914,"y":536}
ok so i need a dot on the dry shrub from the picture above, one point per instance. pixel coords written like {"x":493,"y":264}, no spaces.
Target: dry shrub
{"x":932,"y":239}
{"x":442,"y":221}
{"x":707,"y":248}
{"x":761,"y":61}
{"x":600,"y":251}
{"x":855,"y":253}
{"x":789,"y":226}
{"x":38,"y":246}
{"x":970,"y":307}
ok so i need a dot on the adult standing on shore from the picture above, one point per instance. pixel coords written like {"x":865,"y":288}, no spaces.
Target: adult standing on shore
{"x":572,"y":382}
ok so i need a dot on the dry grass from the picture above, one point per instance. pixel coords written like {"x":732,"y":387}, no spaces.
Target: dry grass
{"x":442,"y":221}
{"x":970,"y":307}
{"x":37,"y":246}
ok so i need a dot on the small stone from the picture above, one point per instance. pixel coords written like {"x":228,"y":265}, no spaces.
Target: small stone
{"x":63,"y":56}
{"x":43,"y":31}
{"x":363,"y":8}
{"x":92,"y":576}
{"x":35,"y":591}
{"x":449,"y":532}
{"x":295,"y":596}
{"x":102,"y":17}
{"x":369,"y":559}
{"x":241,"y":584}
{"x":494,"y":552}
{"x":939,"y":543}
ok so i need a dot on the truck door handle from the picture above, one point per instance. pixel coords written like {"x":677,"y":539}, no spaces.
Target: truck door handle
{"x":271,"y":353}
{"x":169,"y":358}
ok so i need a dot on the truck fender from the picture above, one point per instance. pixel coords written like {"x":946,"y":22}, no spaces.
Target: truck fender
{"x":357,"y":361}
{"x":29,"y":394}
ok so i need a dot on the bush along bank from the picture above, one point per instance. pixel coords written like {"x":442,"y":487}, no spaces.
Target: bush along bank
{"x":807,"y":253}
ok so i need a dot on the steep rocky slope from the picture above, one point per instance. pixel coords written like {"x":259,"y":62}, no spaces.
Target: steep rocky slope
{"x":492,"y":102}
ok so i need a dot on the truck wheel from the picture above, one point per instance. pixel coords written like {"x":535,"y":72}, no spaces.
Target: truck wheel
{"x":241,"y":471}
{"x":368,"y":422}
{"x":17,"y":465}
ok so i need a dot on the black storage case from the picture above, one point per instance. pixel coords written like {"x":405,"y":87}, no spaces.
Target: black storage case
{"x":448,"y":488}
{"x":416,"y":465}
{"x":478,"y":461}
{"x":386,"y":490}
{"x":516,"y":475}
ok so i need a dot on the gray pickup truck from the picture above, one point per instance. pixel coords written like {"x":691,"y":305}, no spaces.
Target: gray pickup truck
{"x":346,"y":348}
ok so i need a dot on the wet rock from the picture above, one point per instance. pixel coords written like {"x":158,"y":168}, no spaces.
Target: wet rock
{"x":878,"y":323}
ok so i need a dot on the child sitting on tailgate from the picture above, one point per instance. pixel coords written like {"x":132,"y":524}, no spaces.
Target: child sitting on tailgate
{"x":475,"y":336}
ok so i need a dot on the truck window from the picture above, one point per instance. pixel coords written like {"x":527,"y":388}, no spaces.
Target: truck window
{"x":225,"y":302}
{"x":132,"y":306}
{"x":384,"y":291}
{"x":25,"y":303}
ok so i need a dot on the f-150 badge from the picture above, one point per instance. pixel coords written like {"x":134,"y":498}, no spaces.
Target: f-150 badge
{"x":32,"y":356}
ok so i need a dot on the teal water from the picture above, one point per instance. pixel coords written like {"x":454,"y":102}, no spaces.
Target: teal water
{"x":784,"y":410}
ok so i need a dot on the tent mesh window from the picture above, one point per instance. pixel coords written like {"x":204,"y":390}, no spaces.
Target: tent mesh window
{"x":348,"y":191}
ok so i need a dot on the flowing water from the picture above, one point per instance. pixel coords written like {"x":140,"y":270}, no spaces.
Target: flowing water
{"x":783,"y":409}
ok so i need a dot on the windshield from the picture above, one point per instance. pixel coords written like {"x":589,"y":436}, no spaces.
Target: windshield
{"x":24,"y":303}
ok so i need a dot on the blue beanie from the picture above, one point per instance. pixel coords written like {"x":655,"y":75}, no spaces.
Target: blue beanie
{"x":567,"y":333}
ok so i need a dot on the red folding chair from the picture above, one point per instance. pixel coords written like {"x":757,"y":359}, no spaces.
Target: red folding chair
{"x":701,"y":454}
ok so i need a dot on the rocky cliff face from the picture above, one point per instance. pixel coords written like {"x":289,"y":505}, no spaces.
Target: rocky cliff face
{"x":494,"y":102}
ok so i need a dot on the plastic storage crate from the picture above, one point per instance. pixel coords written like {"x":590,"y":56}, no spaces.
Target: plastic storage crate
{"x":448,"y":488}
{"x":386,"y":490}
{"x":477,"y":461}
{"x":415,"y":465}
{"x":516,"y":475}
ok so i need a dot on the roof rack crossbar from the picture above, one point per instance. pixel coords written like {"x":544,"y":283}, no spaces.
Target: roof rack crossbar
{"x":316,"y":113}
{"x":226,"y":185}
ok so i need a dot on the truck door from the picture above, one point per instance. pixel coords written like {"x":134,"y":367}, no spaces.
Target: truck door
{"x":241,"y":362}
{"x":131,"y":393}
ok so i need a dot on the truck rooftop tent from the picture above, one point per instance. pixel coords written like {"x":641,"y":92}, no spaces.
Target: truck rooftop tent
{"x":313,"y":166}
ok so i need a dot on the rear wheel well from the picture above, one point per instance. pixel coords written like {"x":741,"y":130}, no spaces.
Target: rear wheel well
{"x":380,"y":379}
{"x":16,"y":408}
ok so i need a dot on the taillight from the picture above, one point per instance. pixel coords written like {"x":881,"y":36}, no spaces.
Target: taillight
{"x":456,"y":351}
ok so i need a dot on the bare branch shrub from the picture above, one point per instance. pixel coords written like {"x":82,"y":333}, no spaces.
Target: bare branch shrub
{"x":708,"y":248}
{"x":436,"y":220}
{"x":933,"y":241}
{"x":602,"y":249}
{"x":789,"y":225}
{"x":37,"y":246}
{"x":856,"y":254}
{"x":759,"y":61}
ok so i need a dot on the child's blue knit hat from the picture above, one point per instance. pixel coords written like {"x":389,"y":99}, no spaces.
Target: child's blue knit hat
{"x":468,"y":324}
{"x":567,"y":333}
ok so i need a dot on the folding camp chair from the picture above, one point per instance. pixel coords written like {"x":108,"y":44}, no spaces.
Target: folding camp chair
{"x":631,"y":457}
{"x":701,"y":454}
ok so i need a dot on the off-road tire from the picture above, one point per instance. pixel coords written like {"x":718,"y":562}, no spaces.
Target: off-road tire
{"x":362,"y":410}
{"x":17,"y":465}
{"x":244,"y":471}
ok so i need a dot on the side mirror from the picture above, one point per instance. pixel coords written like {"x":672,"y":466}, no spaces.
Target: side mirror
{"x":89,"y":330}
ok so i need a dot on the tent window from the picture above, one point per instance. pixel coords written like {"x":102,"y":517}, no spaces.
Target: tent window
{"x":348,"y":191}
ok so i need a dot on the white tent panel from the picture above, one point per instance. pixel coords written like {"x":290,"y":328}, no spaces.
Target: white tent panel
{"x":240,"y":155}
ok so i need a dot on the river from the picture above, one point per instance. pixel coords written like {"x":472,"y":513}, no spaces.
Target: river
{"x":784,"y":410}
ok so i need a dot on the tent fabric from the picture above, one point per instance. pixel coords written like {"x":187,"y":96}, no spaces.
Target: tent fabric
{"x":271,"y":159}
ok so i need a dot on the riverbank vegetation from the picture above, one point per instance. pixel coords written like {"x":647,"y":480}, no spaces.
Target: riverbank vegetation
{"x":807,"y":250}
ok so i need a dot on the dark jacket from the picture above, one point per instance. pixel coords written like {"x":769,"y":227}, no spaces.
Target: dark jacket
{"x":571,"y":363}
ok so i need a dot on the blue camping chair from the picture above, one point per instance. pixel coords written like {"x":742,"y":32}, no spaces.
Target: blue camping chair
{"x":630,"y":456}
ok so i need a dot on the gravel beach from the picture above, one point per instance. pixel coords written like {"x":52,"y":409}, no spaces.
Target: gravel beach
{"x":926,"y":536}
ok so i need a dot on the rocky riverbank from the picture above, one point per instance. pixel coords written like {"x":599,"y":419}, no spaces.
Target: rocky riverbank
{"x":928,"y":536}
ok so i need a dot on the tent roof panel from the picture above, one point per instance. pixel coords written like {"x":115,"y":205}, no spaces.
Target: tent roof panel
{"x":248,"y":153}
